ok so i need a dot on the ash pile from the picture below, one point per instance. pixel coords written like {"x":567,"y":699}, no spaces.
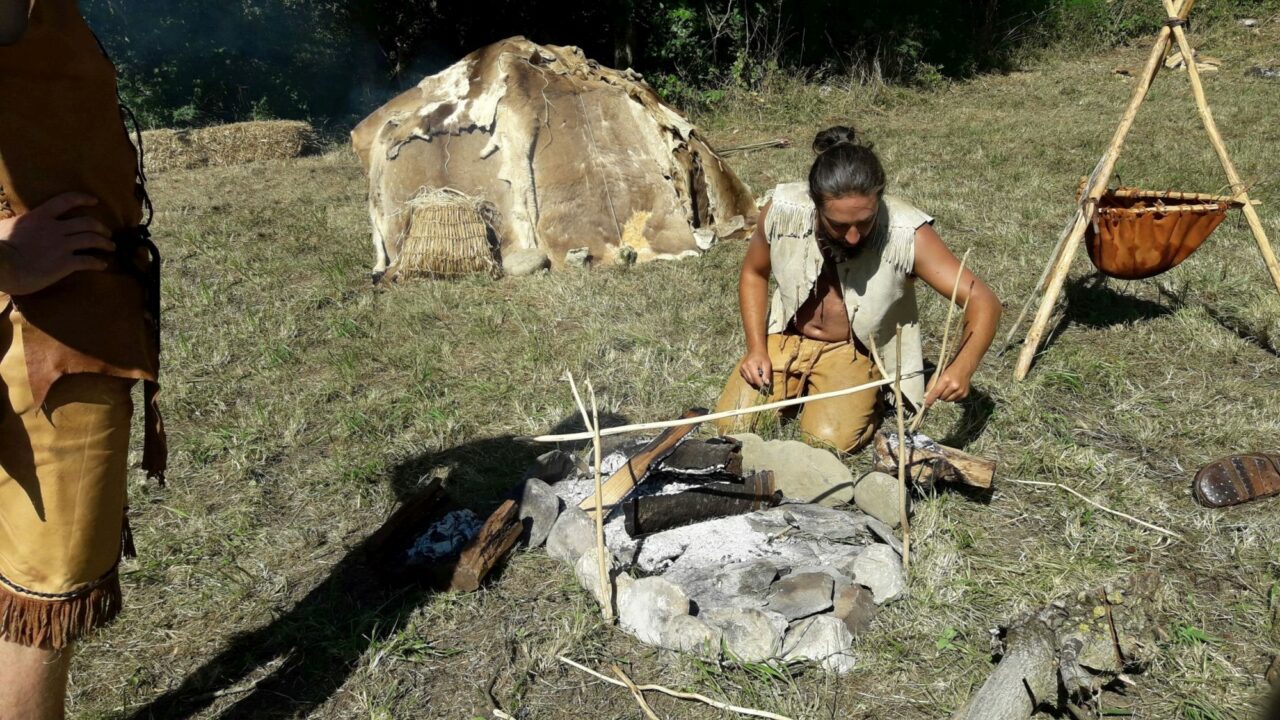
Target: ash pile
{"x":729,"y":547}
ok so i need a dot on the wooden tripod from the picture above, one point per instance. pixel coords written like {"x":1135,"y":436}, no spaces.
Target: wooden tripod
{"x":1055,"y":273}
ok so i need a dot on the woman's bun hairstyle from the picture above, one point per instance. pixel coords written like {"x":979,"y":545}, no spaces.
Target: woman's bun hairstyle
{"x":843,"y":166}
{"x":833,"y":136}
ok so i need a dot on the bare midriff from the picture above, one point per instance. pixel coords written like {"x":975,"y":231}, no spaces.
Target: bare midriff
{"x":823,"y":316}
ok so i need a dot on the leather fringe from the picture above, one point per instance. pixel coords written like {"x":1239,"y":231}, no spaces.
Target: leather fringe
{"x":155,"y":445}
{"x":55,"y":624}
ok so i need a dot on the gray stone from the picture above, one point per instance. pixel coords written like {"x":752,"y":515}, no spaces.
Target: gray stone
{"x":876,"y":494}
{"x":739,"y":585}
{"x":749,"y":635}
{"x":646,"y":605}
{"x":587,"y":570}
{"x":801,"y":595}
{"x":839,"y":569}
{"x":572,"y":535}
{"x":880,"y":569}
{"x":802,"y":473}
{"x":884,"y":534}
{"x":686,"y":633}
{"x":525,"y":262}
{"x":552,"y":467}
{"x":578,"y":257}
{"x":823,"y":639}
{"x":855,"y":605}
{"x":539,"y":508}
{"x":814,"y":521}
{"x":1249,"y":22}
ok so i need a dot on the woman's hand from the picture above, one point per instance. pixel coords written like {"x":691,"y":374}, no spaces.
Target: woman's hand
{"x":952,"y":385}
{"x":757,"y":369}
{"x":39,"y":248}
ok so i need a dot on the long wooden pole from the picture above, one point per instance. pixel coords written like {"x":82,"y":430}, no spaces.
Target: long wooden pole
{"x":1058,"y":275}
{"x":620,"y":429}
{"x":902,"y":463}
{"x":1215,"y":138}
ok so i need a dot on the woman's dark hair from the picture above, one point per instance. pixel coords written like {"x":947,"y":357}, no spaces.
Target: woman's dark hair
{"x":844,"y":166}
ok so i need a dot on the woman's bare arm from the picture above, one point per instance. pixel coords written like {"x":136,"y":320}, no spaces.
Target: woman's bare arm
{"x":937,"y":266}
{"x":753,"y":302}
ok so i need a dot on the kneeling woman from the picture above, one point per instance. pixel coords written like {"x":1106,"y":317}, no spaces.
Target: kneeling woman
{"x":845,"y":258}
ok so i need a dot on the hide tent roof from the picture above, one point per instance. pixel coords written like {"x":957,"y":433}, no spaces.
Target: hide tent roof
{"x":571,"y":153}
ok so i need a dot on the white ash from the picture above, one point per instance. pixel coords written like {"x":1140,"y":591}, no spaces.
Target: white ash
{"x":918,"y":440}
{"x":446,"y":537}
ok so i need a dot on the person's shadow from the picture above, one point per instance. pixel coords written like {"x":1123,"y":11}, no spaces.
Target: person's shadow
{"x":305,"y":655}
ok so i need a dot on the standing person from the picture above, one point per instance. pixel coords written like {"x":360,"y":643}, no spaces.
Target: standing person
{"x":79,"y":319}
{"x":845,"y":257}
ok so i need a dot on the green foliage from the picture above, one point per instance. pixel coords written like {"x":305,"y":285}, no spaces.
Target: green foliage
{"x":186,"y":63}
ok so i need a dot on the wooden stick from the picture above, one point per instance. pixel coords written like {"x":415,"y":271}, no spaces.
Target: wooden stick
{"x":607,"y":609}
{"x":569,"y":437}
{"x":1101,"y":507}
{"x":902,"y":460}
{"x":1215,"y":138}
{"x":635,"y":692}
{"x":1168,"y":209}
{"x":600,"y":556}
{"x":1100,"y":178}
{"x":677,"y":694}
{"x":946,"y":335}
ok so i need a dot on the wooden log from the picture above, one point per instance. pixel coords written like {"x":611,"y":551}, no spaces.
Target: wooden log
{"x":621,"y":482}
{"x":704,"y":457}
{"x":497,"y":536}
{"x":1069,"y":650}
{"x":928,"y":462}
{"x":655,"y":513}
{"x":1023,"y":679}
{"x":414,"y":514}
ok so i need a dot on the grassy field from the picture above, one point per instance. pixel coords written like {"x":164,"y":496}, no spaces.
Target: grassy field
{"x":304,"y":404}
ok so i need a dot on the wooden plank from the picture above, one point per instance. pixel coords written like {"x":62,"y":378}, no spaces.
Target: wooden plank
{"x":621,"y":482}
{"x":497,"y":536}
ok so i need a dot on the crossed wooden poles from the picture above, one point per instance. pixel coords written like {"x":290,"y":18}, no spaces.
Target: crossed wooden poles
{"x":1055,"y":273}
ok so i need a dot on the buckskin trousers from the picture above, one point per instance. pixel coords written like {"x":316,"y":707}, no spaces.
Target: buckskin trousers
{"x":804,"y":366}
{"x":62,"y":499}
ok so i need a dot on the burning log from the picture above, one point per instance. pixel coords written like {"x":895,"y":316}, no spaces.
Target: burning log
{"x":496,"y":538}
{"x":416,"y":513}
{"x":1070,"y":648}
{"x":621,"y":482}
{"x":929,"y":462}
{"x":655,"y":513}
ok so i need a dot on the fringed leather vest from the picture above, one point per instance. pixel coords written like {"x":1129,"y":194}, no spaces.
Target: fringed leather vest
{"x":877,"y":281}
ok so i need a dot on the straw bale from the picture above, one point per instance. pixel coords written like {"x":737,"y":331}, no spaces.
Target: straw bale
{"x":233,"y":144}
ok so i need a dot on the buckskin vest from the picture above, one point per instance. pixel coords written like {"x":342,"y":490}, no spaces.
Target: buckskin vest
{"x":877,"y":281}
{"x":61,"y":130}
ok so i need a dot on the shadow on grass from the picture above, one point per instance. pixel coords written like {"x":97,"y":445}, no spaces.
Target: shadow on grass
{"x":1241,"y":328}
{"x":1092,"y":303}
{"x":976,"y":411}
{"x":297,"y":661}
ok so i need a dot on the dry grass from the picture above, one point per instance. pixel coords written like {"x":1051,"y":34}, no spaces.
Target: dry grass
{"x":225,"y":145}
{"x":304,"y":403}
